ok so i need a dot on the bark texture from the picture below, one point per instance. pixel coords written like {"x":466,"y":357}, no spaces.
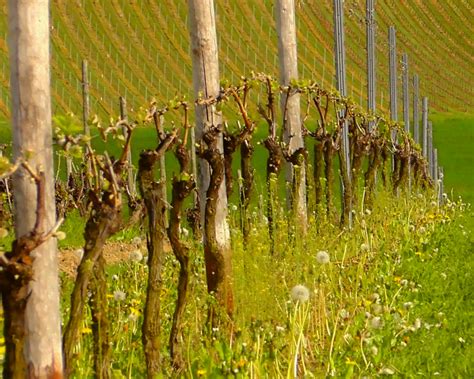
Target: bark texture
{"x":182,"y":188}
{"x":152,"y":194}
{"x":290,"y":105}
{"x":29,"y":49}
{"x":202,"y":28}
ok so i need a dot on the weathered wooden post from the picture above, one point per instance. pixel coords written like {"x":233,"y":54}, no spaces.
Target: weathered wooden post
{"x":29,"y":50}
{"x":392,"y":58}
{"x":416,"y":110}
{"x":371,"y":62}
{"x":202,"y":29}
{"x":290,"y":105}
{"x":424,"y":118}
{"x":340,"y":61}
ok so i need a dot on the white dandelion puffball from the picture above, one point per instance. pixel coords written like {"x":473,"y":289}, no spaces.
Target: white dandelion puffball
{"x":376,"y":323}
{"x":79,"y":253}
{"x":3,"y":232}
{"x":137,"y":240}
{"x":119,"y":295}
{"x":184,"y":232}
{"x":386,"y":371}
{"x":60,"y":235}
{"x":322,"y":257}
{"x":365,"y":248}
{"x":135,"y":256}
{"x":300,"y":293}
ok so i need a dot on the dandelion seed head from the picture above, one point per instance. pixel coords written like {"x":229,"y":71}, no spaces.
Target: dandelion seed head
{"x":3,"y":232}
{"x":386,"y":371}
{"x":365,"y":248}
{"x":137,"y":240}
{"x":376,"y":323}
{"x":376,"y":309}
{"x":79,"y":253}
{"x":300,"y":293}
{"x":60,"y":235}
{"x":119,"y":295}
{"x":135,"y":256}
{"x":322,"y":257}
{"x":344,"y":314}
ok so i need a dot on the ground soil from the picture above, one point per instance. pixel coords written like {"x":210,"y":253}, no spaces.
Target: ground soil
{"x":114,"y":252}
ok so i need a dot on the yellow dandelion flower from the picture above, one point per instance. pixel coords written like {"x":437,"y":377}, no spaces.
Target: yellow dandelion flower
{"x":350,"y":362}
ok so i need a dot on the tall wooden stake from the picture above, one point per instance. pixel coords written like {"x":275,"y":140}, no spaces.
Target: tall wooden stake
{"x":204,"y":54}
{"x":29,"y":50}
{"x":290,"y":105}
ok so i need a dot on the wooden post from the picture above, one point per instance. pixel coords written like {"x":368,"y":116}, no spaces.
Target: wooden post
{"x":371,"y":63}
{"x":290,"y":105}
{"x":204,"y":54}
{"x":341,"y":87}
{"x":29,"y":50}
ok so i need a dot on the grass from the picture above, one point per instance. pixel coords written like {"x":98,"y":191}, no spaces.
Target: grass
{"x":391,"y":300}
{"x":453,"y":135}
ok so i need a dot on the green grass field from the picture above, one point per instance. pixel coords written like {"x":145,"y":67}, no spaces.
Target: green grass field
{"x":453,"y":134}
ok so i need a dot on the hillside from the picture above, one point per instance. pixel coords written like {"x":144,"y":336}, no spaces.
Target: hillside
{"x":139,"y":49}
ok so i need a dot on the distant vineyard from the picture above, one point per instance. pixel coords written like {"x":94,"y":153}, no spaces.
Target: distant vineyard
{"x":140,"y":49}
